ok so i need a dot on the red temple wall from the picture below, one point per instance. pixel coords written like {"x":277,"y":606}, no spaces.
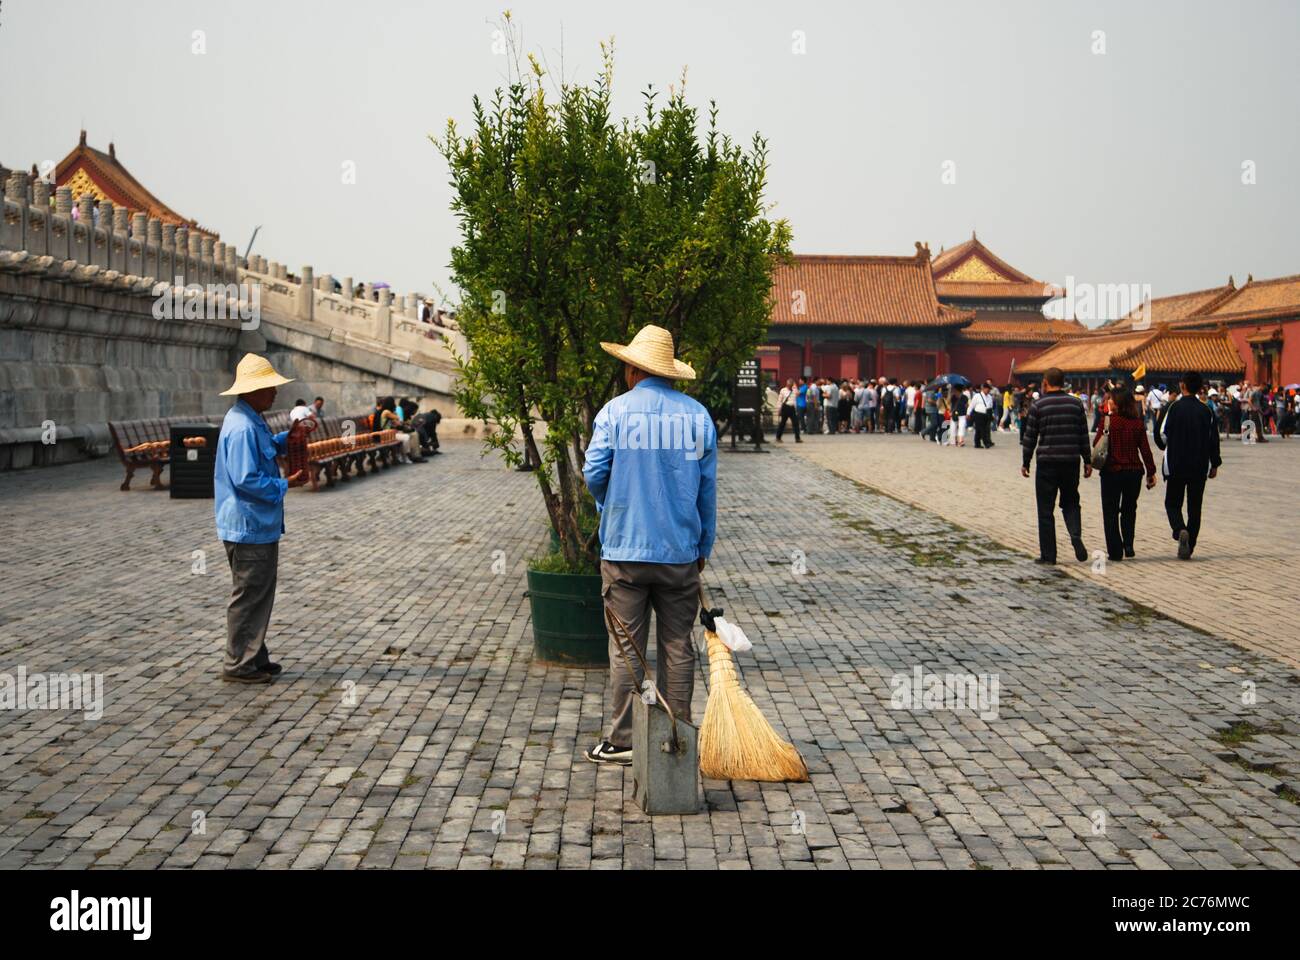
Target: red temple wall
{"x":989,"y":361}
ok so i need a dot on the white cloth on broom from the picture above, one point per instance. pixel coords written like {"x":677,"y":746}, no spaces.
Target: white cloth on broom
{"x":732,"y":636}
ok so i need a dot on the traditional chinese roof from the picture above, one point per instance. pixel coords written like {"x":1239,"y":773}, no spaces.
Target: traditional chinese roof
{"x":1020,"y":328}
{"x":860,"y":291}
{"x":971,"y":271}
{"x":1174,"y":309}
{"x":1159,"y":349}
{"x":1258,"y":300}
{"x":87,"y":170}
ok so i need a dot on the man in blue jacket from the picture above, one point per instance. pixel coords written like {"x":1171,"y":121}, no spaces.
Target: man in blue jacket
{"x":250,"y":514}
{"x":652,"y":468}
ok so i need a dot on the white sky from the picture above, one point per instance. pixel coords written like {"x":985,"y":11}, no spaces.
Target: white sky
{"x":1121,"y":168}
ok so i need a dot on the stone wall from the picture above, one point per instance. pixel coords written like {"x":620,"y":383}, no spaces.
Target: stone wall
{"x":85,"y":338}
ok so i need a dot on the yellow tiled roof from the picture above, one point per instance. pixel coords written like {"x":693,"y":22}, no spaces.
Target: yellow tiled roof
{"x":1160,"y":349}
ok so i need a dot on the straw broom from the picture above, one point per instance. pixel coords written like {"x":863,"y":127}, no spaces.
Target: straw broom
{"x":735,"y":740}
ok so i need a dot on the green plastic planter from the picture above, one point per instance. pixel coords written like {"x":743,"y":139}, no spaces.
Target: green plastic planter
{"x":568,"y":619}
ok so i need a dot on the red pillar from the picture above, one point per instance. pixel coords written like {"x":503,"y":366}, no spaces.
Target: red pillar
{"x":880,"y":357}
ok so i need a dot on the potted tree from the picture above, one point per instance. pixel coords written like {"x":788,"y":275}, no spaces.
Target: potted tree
{"x":576,"y":229}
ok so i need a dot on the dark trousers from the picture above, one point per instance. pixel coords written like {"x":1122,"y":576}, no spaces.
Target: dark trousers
{"x":253,"y":568}
{"x":982,"y":437}
{"x":1119,"y":500}
{"x":932,"y":424}
{"x":788,"y":412}
{"x":631,"y":591}
{"x":1050,"y":481}
{"x":1193,"y":490}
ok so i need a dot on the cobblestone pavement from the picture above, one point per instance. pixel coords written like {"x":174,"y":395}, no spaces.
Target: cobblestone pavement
{"x":1240,"y":586}
{"x":1117,"y":740}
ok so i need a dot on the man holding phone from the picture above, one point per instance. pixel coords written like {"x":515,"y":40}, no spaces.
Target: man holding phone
{"x":250,"y":513}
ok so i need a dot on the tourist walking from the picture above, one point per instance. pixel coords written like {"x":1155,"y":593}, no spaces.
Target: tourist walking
{"x":830,"y":407}
{"x":960,"y":411}
{"x":1128,"y":459}
{"x":981,"y":410}
{"x":249,"y":494}
{"x":658,"y":510}
{"x":813,"y":415}
{"x":931,"y":398}
{"x":1057,"y":430}
{"x":1189,"y":437}
{"x":786,"y":404}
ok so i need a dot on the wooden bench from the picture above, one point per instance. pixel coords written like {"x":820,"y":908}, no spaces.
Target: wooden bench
{"x":144,"y":443}
{"x":334,"y":450}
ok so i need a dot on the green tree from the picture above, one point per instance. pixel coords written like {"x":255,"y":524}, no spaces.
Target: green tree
{"x":577,"y":229}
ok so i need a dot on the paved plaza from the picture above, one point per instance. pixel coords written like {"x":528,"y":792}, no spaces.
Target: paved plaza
{"x":1240,"y":586}
{"x":412,"y":728}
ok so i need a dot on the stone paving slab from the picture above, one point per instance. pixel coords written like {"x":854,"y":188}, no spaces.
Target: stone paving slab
{"x":1240,"y":585}
{"x":412,"y":729}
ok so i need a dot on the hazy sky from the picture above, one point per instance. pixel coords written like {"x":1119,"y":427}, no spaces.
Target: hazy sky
{"x":1120,"y":167}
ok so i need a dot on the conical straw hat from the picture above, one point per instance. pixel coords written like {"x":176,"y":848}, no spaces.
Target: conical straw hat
{"x":254,"y":373}
{"x":651,"y":350}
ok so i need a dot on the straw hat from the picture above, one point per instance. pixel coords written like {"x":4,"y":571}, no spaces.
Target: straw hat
{"x":651,"y":350}
{"x":254,"y":373}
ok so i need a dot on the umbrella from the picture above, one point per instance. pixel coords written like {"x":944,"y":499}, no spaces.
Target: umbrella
{"x":380,"y":285}
{"x":949,"y":379}
{"x":1292,"y":386}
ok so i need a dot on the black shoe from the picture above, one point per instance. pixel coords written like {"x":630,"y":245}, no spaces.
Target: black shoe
{"x":797,"y":440}
{"x":1080,"y":551}
{"x":606,"y":752}
{"x":1045,"y":562}
{"x":1128,"y":552}
{"x":257,"y":676}
{"x":1116,"y":557}
{"x":1184,"y":545}
{"x":274,"y":669}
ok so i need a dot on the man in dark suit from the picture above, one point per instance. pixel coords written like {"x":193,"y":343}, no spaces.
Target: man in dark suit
{"x":1189,"y":436}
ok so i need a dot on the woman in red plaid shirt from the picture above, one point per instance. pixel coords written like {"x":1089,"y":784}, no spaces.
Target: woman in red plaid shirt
{"x":1121,"y":478}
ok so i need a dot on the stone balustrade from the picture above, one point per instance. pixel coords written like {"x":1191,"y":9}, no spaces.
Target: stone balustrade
{"x":137,"y":251}
{"x":133,"y":245}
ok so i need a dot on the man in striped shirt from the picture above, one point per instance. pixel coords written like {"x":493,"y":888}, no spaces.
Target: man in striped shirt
{"x":1058,"y":428}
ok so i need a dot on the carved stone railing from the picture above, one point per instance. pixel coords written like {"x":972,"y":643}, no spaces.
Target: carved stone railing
{"x":135,"y":253}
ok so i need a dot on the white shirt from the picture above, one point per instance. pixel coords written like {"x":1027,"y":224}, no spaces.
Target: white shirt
{"x":301,"y":413}
{"x":979,"y":403}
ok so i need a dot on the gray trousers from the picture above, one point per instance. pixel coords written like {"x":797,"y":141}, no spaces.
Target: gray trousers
{"x":631,"y":591}
{"x":253,"y":569}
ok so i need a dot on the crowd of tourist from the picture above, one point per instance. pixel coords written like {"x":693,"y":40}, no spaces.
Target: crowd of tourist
{"x":950,"y":414}
{"x":1109,"y":427}
{"x":947,"y":413}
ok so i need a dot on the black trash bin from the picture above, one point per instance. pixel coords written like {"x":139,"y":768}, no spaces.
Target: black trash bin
{"x":192,"y":466}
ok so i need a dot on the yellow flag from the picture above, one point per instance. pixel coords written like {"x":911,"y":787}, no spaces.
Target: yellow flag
{"x":1140,"y":372}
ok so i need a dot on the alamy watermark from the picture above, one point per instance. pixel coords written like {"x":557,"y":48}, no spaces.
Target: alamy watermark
{"x":213,"y":301}
{"x":1090,"y":302}
{"x":945,"y":691}
{"x":53,"y":691}
{"x":664,"y":431}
